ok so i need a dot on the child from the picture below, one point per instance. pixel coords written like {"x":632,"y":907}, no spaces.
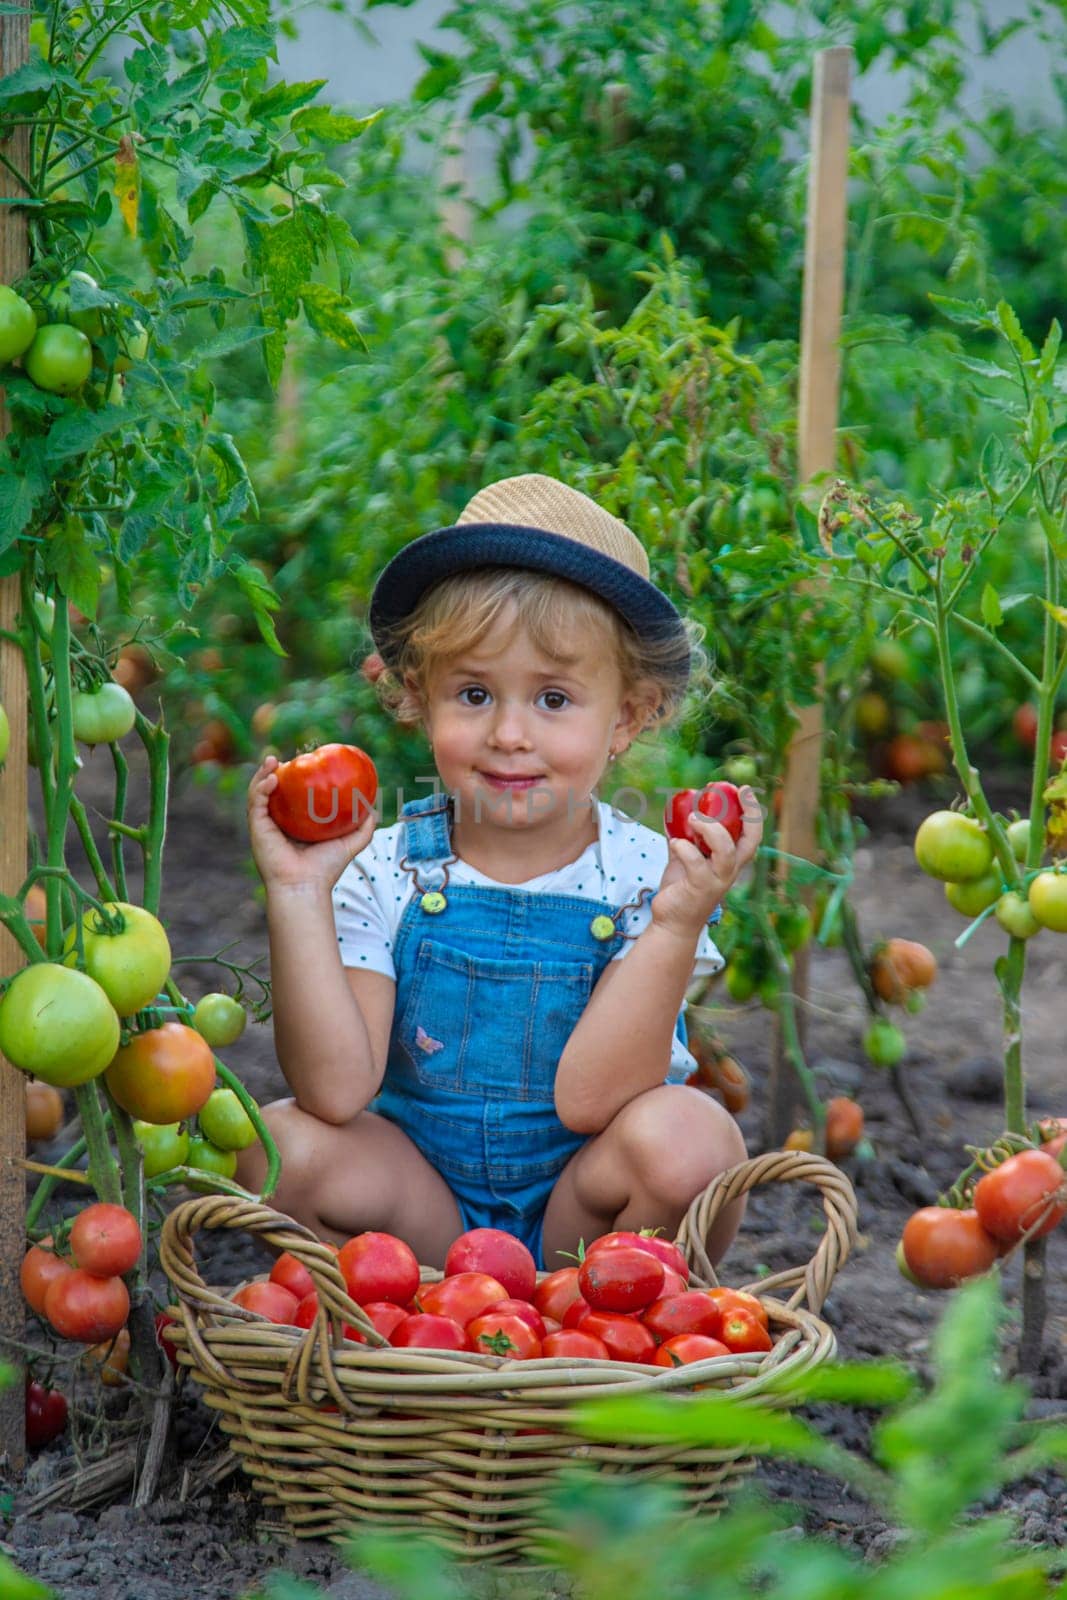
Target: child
{"x":477,"y":1008}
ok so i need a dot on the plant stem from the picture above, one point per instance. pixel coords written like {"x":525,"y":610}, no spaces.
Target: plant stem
{"x":270,"y":1149}
{"x":103,"y":1168}
{"x":43,"y":1192}
{"x":81,"y":821}
{"x":156,"y":740}
{"x":118,"y":862}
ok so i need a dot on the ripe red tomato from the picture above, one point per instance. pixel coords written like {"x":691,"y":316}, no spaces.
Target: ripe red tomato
{"x":464,"y":1296}
{"x":1057,"y":750}
{"x":685,"y":1348}
{"x":743,"y":1332}
{"x":689,"y":1312}
{"x":46,"y":1414}
{"x":721,"y":802}
{"x":41,"y":1266}
{"x":268,"y":1300}
{"x":1024,"y":724}
{"x":105,"y":1240}
{"x":385,"y":1317}
{"x":942,"y":1246}
{"x":85,"y":1308}
{"x":621,"y":1279}
{"x":626,"y":1338}
{"x":424,"y":1331}
{"x":664,"y":1250}
{"x":292,"y":1275}
{"x":1014,"y":1198}
{"x":307,"y":1310}
{"x":556,"y":1292}
{"x":324,"y":793}
{"x":164,"y":1074}
{"x":522,"y":1309}
{"x":573,"y":1344}
{"x":500,"y":1333}
{"x":165,"y":1343}
{"x":729,"y":1300}
{"x":379,"y":1266}
{"x":576,"y":1313}
{"x":500,"y":1254}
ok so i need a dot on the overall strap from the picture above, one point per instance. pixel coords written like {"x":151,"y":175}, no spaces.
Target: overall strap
{"x":427,"y":828}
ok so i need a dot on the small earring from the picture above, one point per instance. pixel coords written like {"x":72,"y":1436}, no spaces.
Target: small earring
{"x":612,"y":754}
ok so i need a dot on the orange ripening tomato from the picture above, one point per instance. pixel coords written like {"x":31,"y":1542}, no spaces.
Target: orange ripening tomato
{"x":35,"y":906}
{"x":942,"y":1246}
{"x":900,"y":966}
{"x":844,"y":1126}
{"x":684,"y":1348}
{"x":44,"y":1110}
{"x":744,"y":1333}
{"x":729,"y":1300}
{"x":1023,"y":1196}
{"x":163,"y":1075}
{"x":40,"y":1268}
{"x":112,"y":1357}
{"x":324,"y":793}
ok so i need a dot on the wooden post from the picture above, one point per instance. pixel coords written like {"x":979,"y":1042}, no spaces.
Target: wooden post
{"x":14,"y":53}
{"x":820,"y":331}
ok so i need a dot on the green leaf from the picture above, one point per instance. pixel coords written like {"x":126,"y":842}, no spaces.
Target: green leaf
{"x":967,"y":313}
{"x":79,"y":431}
{"x":1055,"y":532}
{"x":874,"y":1383}
{"x":330,"y":313}
{"x":19,"y":496}
{"x":1049,"y":351}
{"x":332,"y":127}
{"x":224,"y":343}
{"x":1059,"y":613}
{"x":74,"y":565}
{"x":263,"y":600}
{"x":283,"y":98}
{"x":15,"y":1585}
{"x":34,"y":80}
{"x":1011,"y":328}
{"x":992,"y":615}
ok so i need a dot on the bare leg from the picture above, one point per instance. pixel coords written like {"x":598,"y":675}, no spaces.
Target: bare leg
{"x":364,"y":1174}
{"x":643,"y":1171}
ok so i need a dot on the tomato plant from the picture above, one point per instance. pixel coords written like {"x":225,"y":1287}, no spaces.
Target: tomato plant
{"x":164,"y":1145}
{"x":204,"y":1156}
{"x":18,"y":325}
{"x":953,"y":847}
{"x":58,"y":1024}
{"x":60,"y":359}
{"x":324,"y":793}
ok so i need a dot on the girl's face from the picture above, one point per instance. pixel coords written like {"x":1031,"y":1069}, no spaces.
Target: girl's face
{"x":521,"y":739}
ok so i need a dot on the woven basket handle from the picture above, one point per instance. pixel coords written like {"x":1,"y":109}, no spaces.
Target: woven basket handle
{"x":197,"y":1303}
{"x":779,"y":1166}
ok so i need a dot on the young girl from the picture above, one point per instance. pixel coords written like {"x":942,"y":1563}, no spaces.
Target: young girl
{"x":478,"y":1009}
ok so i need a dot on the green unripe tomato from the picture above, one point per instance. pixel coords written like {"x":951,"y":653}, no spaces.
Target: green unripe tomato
{"x":207,"y":1157}
{"x":741,"y":770}
{"x":1019,"y":837}
{"x":220,"y":1019}
{"x":794,"y":926}
{"x":44,"y":609}
{"x":18,"y":325}
{"x":903,"y":1268}
{"x":890,"y":658}
{"x":60,"y":358}
{"x":5,"y":736}
{"x":135,"y":344}
{"x":952,"y":847}
{"x":58,"y":1024}
{"x":224,"y":1120}
{"x":1048,"y":900}
{"x":131,"y":964}
{"x":102,"y":714}
{"x":163,"y":1145}
{"x":740,"y":981}
{"x":88,"y":320}
{"x":970,"y":899}
{"x":883,"y":1043}
{"x":1014,"y":915}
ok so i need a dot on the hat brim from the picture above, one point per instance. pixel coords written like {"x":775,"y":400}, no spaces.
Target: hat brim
{"x":442,"y":554}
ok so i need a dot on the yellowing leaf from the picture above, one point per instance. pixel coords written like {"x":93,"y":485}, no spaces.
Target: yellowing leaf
{"x":127,"y":183}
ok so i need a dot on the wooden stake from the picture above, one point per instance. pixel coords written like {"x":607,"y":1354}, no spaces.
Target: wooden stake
{"x":820,"y":332}
{"x":14,"y":258}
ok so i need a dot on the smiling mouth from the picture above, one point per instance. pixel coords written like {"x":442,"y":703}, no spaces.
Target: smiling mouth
{"x":517,"y":781}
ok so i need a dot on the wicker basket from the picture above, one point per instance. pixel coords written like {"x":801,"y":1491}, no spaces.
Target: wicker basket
{"x":463,"y":1447}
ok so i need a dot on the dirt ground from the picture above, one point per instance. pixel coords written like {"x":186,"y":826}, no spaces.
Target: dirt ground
{"x":221,"y":1545}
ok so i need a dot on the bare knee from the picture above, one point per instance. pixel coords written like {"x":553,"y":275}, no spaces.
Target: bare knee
{"x":676,"y":1140}
{"x":298,"y":1136}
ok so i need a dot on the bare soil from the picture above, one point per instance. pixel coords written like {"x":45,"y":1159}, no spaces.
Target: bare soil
{"x":221,"y":1544}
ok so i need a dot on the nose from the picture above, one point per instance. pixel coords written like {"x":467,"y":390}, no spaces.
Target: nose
{"x":509,"y":730}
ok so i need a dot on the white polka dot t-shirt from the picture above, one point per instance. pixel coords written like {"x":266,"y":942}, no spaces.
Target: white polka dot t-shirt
{"x":370,"y":897}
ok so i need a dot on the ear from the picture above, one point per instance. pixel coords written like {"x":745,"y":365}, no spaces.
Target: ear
{"x":415,"y":707}
{"x":636,"y":711}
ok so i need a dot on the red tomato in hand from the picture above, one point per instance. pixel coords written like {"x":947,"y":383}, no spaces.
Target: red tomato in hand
{"x":46,"y":1414}
{"x":689,"y":1312}
{"x":294,"y":1276}
{"x":684,"y":1348}
{"x":501,"y":1333}
{"x":1020,"y":1196}
{"x":621,"y":1279}
{"x":571,"y":1343}
{"x":556,"y":1292}
{"x":425,"y":1331}
{"x":105,"y":1240}
{"x":85,"y":1308}
{"x":721,"y":802}
{"x":500,"y":1254}
{"x":463,"y":1297}
{"x":268,"y":1300}
{"x":942,"y":1246}
{"x":40,"y":1267}
{"x":379,"y":1266}
{"x":324,"y":793}
{"x":625,"y":1337}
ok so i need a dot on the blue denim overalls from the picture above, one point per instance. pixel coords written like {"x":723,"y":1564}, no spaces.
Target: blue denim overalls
{"x":490,"y":983}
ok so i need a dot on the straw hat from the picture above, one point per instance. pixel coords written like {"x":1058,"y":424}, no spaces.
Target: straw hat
{"x":539,"y":524}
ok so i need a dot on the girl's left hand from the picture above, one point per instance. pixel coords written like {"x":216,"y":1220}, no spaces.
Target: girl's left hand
{"x":693,"y":884}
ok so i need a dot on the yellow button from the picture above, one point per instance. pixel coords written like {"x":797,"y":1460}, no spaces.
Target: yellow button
{"x":602,"y":928}
{"x":433,"y":901}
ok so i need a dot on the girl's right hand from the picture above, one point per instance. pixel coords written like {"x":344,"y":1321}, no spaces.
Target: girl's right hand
{"x":288,"y":863}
